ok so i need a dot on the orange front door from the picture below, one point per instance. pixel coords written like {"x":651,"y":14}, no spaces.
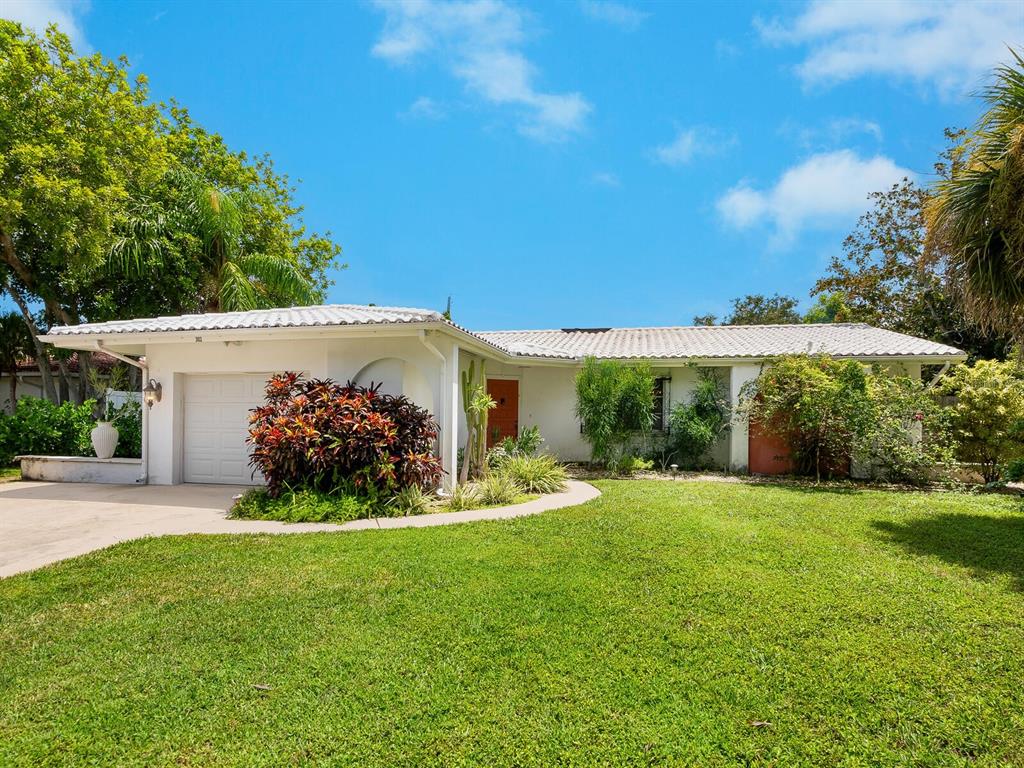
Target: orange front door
{"x":503,"y":419}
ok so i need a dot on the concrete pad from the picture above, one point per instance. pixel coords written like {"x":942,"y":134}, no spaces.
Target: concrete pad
{"x":42,"y":523}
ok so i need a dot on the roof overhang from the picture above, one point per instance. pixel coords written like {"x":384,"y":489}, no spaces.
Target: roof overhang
{"x":135,"y":343}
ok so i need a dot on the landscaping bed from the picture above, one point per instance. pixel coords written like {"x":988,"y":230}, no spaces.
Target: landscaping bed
{"x":662,"y":623}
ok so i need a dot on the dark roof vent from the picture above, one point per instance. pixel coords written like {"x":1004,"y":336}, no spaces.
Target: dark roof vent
{"x":585,"y":330}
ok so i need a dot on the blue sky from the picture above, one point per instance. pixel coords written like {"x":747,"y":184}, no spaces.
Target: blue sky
{"x":569,"y":164}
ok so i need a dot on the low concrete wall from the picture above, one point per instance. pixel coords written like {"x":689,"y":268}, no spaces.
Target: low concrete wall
{"x":80,"y":469}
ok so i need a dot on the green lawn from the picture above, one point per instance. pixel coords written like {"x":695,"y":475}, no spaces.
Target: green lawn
{"x":659,"y":624}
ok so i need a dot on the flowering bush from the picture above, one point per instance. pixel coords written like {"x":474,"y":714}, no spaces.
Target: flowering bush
{"x":322,"y":435}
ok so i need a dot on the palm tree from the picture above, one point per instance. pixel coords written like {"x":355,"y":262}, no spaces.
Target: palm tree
{"x":977,"y":215}
{"x":15,"y":344}
{"x":234,"y":277}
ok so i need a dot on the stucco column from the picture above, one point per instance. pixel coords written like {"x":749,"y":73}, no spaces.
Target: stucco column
{"x":450,"y":434}
{"x":739,"y":445}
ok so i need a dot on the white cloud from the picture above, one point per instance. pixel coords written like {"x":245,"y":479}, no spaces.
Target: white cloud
{"x":950,"y":44}
{"x":688,"y":144}
{"x":38,"y":14}
{"x":480,"y":43}
{"x":425,"y":108}
{"x":831,"y":133}
{"x":606,"y":179}
{"x":824,"y":190}
{"x":614,"y":13}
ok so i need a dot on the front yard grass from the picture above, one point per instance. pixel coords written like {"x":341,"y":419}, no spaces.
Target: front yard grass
{"x":663,"y":623}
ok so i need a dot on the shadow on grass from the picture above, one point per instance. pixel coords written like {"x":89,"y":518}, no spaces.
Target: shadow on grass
{"x":985,"y":544}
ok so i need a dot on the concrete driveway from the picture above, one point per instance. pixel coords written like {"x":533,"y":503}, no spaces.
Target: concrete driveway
{"x":41,"y":523}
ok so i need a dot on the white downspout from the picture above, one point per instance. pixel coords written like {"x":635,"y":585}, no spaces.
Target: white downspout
{"x":440,"y":390}
{"x":144,"y":476}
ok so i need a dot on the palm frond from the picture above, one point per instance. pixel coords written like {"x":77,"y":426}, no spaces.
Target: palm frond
{"x":236,"y":292}
{"x":277,"y":275}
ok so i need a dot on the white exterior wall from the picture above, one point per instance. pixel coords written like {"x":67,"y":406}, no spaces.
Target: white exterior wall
{"x":403,"y":365}
{"x":684,"y":381}
{"x":739,"y":435}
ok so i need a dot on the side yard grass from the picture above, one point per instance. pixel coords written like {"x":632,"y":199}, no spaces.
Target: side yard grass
{"x":663,"y":623}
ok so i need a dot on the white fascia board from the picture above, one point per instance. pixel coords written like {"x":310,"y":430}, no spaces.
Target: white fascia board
{"x":138,"y":341}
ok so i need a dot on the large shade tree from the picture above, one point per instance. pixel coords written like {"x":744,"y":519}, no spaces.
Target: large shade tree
{"x":887,"y":277}
{"x":112,"y":206}
{"x":977,"y":215}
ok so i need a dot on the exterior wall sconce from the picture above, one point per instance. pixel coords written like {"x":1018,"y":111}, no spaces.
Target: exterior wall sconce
{"x":152,"y":392}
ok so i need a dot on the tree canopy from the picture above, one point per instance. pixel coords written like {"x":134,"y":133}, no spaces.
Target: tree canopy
{"x":101,"y":199}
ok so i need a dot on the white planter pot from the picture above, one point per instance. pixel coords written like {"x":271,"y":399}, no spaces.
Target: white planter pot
{"x":104,"y":439}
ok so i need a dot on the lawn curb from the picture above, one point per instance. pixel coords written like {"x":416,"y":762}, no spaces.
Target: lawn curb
{"x":577,"y":492}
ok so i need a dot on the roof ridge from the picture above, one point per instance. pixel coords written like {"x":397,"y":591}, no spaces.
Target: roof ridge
{"x":685,"y":327}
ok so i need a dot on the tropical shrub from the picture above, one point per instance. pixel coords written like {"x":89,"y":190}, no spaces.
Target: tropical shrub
{"x":127,"y":418}
{"x":411,"y":500}
{"x":463,"y":497}
{"x":1013,"y":472}
{"x":303,"y":505}
{"x":535,"y":474}
{"x":987,"y":413}
{"x":39,"y":426}
{"x":627,"y":464}
{"x":614,"y":401}
{"x":818,"y":405}
{"x":908,"y":437}
{"x":321,"y":435}
{"x":498,"y":488}
{"x":527,"y":443}
{"x":694,"y":427}
{"x":476,"y":403}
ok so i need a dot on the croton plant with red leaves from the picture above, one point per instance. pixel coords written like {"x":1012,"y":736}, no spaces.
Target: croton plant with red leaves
{"x":323,"y":435}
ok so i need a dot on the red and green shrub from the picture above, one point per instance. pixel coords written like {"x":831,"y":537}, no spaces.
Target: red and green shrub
{"x":323,"y":435}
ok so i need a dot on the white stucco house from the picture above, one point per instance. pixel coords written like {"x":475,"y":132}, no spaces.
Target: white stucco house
{"x":211,"y":369}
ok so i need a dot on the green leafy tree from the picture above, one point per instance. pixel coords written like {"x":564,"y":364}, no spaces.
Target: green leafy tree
{"x":977,"y":214}
{"x":614,"y":402}
{"x":987,"y":413}
{"x":708,"y":319}
{"x":758,"y":309}
{"x":99,"y":212}
{"x":829,"y":308}
{"x":77,"y":136}
{"x":15,"y":345}
{"x":818,"y":405}
{"x":886,"y":276}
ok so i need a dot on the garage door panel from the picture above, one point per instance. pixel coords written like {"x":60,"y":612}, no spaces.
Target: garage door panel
{"x":216,"y":416}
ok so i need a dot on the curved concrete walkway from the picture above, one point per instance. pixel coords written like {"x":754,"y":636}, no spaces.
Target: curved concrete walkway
{"x":42,"y":523}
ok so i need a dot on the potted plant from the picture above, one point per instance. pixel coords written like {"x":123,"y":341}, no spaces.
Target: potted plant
{"x":105,"y":435}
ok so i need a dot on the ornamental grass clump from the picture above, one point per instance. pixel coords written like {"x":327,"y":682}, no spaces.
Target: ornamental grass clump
{"x":498,"y":488}
{"x":535,"y":474}
{"x":322,"y":436}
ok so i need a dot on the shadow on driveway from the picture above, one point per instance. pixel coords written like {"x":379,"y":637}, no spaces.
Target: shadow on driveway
{"x":194,"y":496}
{"x":987,"y":545}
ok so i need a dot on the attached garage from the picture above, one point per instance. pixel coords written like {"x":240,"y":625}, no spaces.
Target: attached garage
{"x":216,"y":422}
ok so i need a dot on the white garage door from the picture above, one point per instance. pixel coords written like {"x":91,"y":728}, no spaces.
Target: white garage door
{"x":216,"y":425}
